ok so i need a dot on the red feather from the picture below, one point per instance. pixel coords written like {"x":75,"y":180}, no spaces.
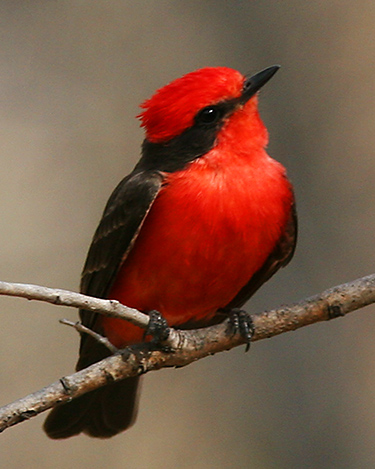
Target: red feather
{"x":211,"y":228}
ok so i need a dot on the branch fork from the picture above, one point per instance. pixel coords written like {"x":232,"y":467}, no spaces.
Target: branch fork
{"x":187,"y":346}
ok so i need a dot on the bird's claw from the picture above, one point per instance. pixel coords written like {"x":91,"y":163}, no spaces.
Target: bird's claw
{"x":241,"y":323}
{"x":157,"y":327}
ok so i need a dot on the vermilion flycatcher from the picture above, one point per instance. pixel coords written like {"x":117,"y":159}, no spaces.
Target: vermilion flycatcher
{"x":204,"y":219}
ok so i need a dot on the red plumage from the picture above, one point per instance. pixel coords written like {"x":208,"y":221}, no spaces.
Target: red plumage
{"x":204,"y":219}
{"x":172,"y":108}
{"x":212,"y":226}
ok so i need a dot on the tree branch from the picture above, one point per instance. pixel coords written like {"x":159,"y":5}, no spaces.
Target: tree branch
{"x":79,"y":327}
{"x":188,"y":346}
{"x":60,"y":297}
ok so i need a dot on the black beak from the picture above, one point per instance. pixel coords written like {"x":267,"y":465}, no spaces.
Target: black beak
{"x":255,"y":83}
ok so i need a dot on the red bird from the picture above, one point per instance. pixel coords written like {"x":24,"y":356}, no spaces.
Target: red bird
{"x":204,"y":219}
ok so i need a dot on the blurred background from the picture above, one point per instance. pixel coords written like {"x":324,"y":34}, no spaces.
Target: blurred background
{"x":72,"y":74}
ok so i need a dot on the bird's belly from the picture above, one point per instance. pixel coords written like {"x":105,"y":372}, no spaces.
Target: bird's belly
{"x":196,"y":249}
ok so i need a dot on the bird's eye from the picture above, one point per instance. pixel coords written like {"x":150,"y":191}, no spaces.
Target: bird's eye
{"x":209,"y":115}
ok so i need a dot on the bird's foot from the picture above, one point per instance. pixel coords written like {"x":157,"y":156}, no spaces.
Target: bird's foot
{"x":241,"y":323}
{"x":157,"y":328}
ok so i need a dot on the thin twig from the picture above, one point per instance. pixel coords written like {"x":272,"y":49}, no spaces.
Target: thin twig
{"x":188,"y":345}
{"x":57,"y":296}
{"x":79,"y":327}
{"x":60,"y":297}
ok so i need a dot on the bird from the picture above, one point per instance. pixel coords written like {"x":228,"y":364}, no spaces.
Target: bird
{"x":203,"y":220}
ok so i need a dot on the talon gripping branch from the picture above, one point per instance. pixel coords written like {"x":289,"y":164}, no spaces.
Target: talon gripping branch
{"x":204,"y":219}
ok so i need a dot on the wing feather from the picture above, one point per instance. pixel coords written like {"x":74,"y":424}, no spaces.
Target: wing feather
{"x":118,"y":229}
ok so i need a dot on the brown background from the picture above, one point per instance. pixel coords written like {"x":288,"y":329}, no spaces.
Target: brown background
{"x":72,"y":75}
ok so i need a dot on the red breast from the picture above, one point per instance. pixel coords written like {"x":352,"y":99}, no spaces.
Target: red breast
{"x":210,"y":229}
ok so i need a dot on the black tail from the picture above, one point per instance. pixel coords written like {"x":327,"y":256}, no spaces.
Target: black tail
{"x":101,"y":413}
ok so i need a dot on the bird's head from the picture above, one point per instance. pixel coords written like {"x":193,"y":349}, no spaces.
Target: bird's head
{"x":207,"y":97}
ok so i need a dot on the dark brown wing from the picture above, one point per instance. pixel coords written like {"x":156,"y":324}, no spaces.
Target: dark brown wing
{"x":280,"y":256}
{"x":109,"y":410}
{"x":122,"y":219}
